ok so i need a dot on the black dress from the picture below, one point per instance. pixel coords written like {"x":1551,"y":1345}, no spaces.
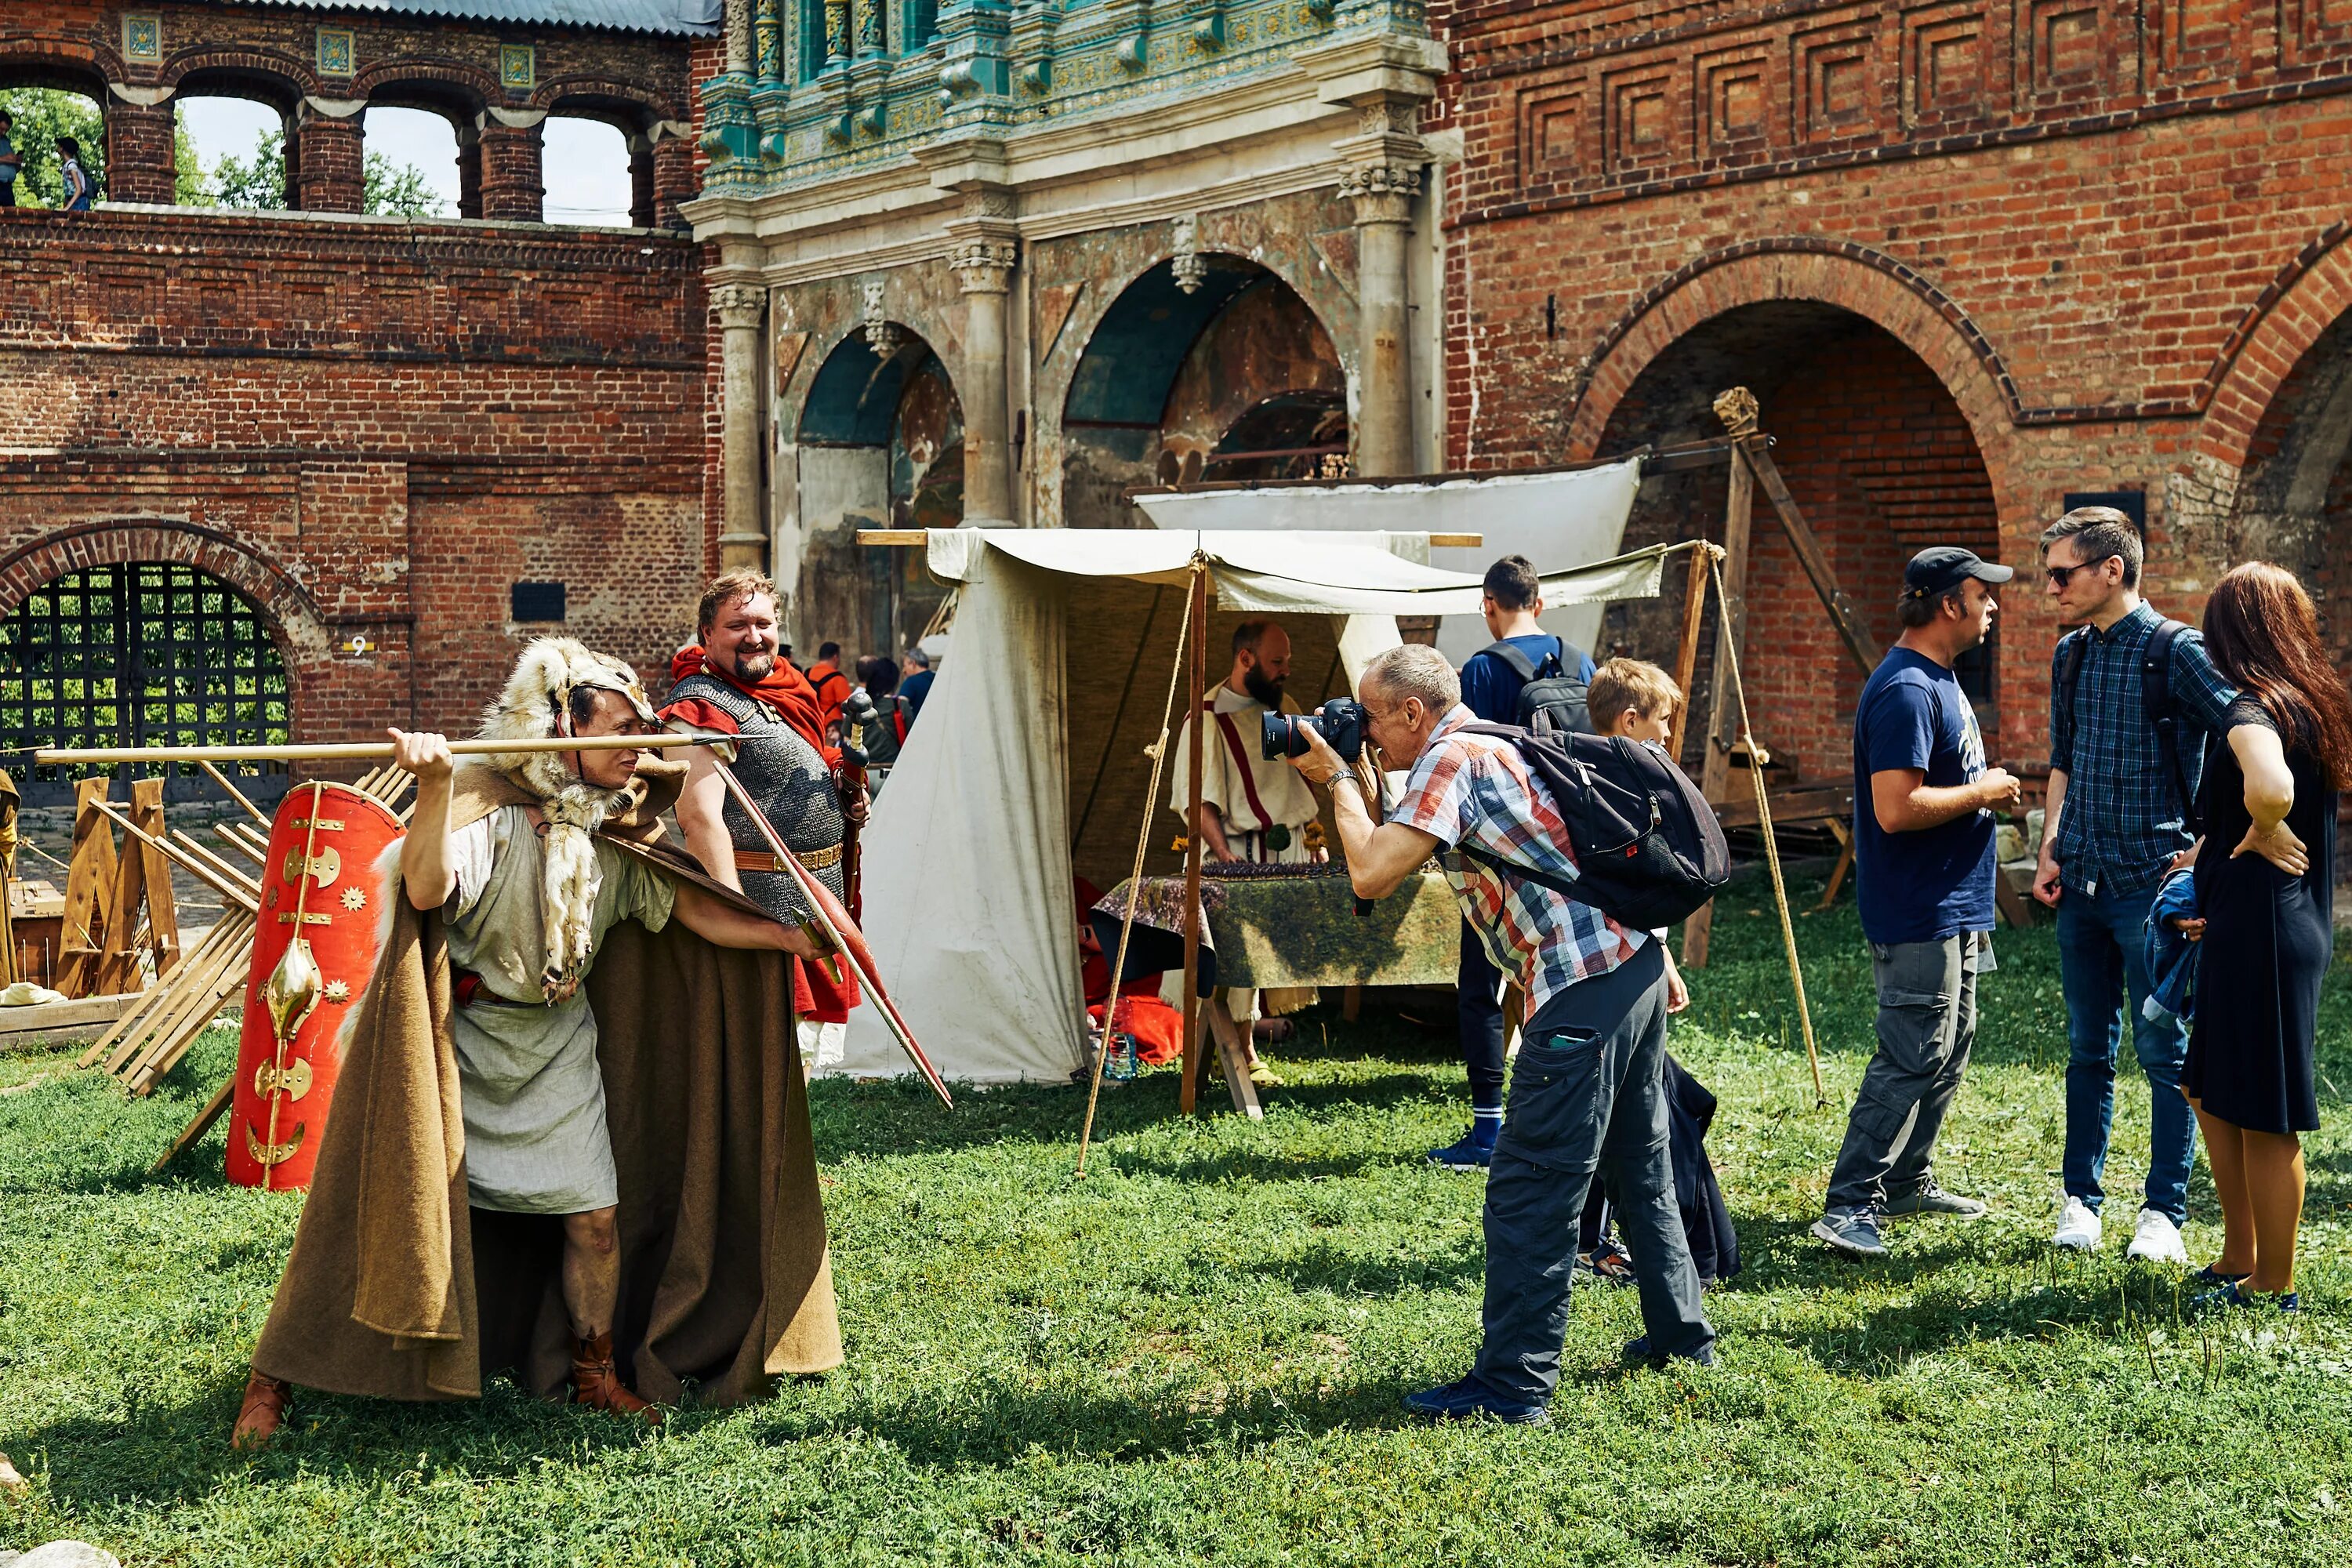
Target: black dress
{"x":2268,"y":939}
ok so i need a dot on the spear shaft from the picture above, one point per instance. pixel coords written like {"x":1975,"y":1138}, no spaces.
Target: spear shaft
{"x":358,"y":751}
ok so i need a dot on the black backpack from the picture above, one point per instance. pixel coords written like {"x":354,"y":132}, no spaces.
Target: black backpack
{"x":2156,"y":697}
{"x":1649,"y":850}
{"x":1551,"y":700}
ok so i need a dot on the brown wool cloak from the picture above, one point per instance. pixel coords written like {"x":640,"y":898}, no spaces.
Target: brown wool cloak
{"x":724,"y":1275}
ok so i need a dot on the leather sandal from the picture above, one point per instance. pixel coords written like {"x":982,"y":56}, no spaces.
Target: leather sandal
{"x":262,"y":1414}
{"x":596,"y":1382}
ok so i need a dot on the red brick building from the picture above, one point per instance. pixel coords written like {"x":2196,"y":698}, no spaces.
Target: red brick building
{"x":1973,"y":255}
{"x":388,"y":451}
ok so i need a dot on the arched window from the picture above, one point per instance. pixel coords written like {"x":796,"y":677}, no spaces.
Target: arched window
{"x":147,"y":653}
{"x":412,"y":162}
{"x":584,"y":164}
{"x":232,"y":154}
{"x":38,"y":116}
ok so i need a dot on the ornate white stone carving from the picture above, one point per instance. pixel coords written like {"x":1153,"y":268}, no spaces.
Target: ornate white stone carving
{"x":882,"y":334}
{"x":1191,"y":268}
{"x":1380,"y":180}
{"x":984,"y":266}
{"x":739,"y":304}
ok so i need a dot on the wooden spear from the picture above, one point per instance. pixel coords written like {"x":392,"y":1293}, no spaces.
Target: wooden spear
{"x":354,"y":750}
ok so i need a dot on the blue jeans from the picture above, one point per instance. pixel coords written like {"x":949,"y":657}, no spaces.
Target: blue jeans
{"x":2103,"y":961}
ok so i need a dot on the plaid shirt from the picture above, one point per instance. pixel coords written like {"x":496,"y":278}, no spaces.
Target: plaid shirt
{"x":1478,"y":787}
{"x":2122,"y":821}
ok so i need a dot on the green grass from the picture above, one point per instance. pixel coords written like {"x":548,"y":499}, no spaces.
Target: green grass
{"x":1196,"y":1353}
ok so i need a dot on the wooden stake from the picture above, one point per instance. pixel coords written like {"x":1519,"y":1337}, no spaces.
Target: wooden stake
{"x":1698,"y":563}
{"x":162,"y":913}
{"x":197,"y":1129}
{"x":235,"y":793}
{"x":89,"y":874}
{"x":1188,"y":1093}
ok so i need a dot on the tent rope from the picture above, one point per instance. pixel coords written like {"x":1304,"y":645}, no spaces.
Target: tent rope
{"x":1159,"y":750}
{"x":1771,"y":845}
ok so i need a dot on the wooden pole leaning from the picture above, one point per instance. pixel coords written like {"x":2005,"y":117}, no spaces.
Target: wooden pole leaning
{"x":1188,"y":1093}
{"x":1738,"y":409}
{"x":1184,"y":632}
{"x":1779,"y":888}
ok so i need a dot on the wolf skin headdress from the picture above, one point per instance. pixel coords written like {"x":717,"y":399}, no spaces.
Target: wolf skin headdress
{"x":536,"y":703}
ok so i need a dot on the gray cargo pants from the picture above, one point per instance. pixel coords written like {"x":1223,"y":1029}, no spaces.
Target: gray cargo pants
{"x":1926,"y":1024}
{"x":1588,"y":1094}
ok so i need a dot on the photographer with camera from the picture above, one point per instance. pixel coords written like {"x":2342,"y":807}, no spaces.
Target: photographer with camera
{"x":1589,"y":1092}
{"x":1251,"y":807}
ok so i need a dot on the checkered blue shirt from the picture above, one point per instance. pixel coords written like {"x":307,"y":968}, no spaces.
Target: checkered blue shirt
{"x":2123,"y":821}
{"x":1478,"y":787}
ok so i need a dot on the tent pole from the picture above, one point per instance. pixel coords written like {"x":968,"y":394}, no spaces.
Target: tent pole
{"x":1135,"y":874}
{"x":1198,"y":614}
{"x":1736,"y":409}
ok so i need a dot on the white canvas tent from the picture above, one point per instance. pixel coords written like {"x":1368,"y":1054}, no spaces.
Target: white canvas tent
{"x":966,"y":859}
{"x":1572,"y":514}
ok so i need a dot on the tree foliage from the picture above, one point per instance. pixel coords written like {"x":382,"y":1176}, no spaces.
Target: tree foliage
{"x":42,"y":115}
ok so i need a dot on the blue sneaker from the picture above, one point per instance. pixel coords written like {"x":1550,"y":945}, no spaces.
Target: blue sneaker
{"x":1638,"y":1349}
{"x":2237,"y":1296}
{"x":1467,"y":1399}
{"x":1471,"y":1153}
{"x":1853,"y":1232}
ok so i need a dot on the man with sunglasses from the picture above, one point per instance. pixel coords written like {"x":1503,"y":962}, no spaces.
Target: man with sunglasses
{"x":2132,"y":697}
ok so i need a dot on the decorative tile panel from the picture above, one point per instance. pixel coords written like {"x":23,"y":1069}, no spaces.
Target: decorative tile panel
{"x":142,"y":39}
{"x":336,"y":53}
{"x":518,"y":67}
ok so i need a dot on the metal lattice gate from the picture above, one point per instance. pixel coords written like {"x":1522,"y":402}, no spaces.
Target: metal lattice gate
{"x":148,"y":653}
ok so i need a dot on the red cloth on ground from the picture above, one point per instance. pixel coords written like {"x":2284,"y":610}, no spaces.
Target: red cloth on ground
{"x":786,"y":694}
{"x":785,"y":690}
{"x":1158,"y":1028}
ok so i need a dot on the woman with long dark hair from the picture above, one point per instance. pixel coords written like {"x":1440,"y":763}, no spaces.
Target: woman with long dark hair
{"x":2266,"y":906}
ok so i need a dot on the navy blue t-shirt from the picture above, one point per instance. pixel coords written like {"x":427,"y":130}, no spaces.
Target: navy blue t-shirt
{"x":1928,"y":884}
{"x":1490,"y":689}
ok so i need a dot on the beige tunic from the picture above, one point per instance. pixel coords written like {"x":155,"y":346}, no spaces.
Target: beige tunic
{"x":531,"y":1093}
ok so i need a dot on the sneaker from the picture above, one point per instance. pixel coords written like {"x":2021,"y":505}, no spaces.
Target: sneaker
{"x":2078,"y":1227}
{"x":2211,"y":1275}
{"x":1467,"y":1399}
{"x":1607,"y":1264}
{"x":1853,"y":1232}
{"x":1638,"y":1349}
{"x":2238,"y":1297}
{"x":1932,"y":1199}
{"x":1471,"y":1153}
{"x":2156,"y":1239}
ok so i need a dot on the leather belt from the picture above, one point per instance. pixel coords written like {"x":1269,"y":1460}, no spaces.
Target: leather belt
{"x":756,"y":860}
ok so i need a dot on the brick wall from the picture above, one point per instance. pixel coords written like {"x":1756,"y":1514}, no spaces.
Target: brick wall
{"x":2109,"y":232}
{"x":371,"y":428}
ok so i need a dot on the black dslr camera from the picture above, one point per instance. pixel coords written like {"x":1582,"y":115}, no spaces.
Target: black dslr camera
{"x":1340,"y":722}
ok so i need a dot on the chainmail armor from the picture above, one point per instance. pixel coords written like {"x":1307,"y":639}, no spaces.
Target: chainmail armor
{"x":788,"y":777}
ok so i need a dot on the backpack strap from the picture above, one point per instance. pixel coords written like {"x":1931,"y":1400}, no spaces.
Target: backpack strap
{"x":1517,"y":659}
{"x":2163,"y":715}
{"x":1559,"y":885}
{"x":2071,"y":649}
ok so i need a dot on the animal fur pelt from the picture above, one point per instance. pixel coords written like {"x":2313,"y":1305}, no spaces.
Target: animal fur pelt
{"x":536,"y":703}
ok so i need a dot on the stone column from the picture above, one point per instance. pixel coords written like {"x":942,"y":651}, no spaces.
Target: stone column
{"x":744,"y":533}
{"x":984,"y":263}
{"x":139,"y":162}
{"x":641,"y":179}
{"x":1382,"y":195}
{"x":511,"y":186}
{"x":331,"y":161}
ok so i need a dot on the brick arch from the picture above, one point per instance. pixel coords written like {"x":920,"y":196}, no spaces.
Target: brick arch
{"x":293,"y":74}
{"x":552,"y":96}
{"x":2309,"y":295}
{"x":93,"y":64}
{"x":1869,"y":283}
{"x":293,"y":615}
{"x":475,"y":86}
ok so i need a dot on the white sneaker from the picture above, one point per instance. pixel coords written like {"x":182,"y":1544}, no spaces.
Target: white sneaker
{"x":2157,"y":1239}
{"x":2078,"y":1227}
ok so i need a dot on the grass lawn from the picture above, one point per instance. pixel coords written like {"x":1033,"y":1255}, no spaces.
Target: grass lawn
{"x":1196,"y":1353}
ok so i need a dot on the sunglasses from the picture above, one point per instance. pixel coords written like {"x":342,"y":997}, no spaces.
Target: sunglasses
{"x":2061,"y":575}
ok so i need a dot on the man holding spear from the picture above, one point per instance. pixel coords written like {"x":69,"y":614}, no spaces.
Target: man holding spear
{"x":732,"y":682}
{"x":520,"y":1169}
